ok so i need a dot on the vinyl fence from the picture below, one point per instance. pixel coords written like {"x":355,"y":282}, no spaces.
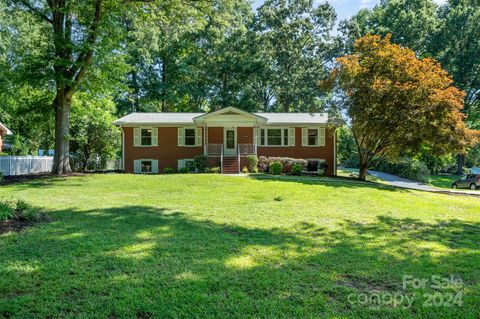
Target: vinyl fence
{"x":24,"y":165}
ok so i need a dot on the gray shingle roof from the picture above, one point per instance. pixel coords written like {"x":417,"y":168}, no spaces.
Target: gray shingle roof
{"x":296,"y":118}
{"x":158,"y":118}
{"x":188,"y":118}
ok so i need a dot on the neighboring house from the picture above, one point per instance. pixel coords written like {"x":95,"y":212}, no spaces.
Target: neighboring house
{"x":154,"y":141}
{"x":3,"y":131}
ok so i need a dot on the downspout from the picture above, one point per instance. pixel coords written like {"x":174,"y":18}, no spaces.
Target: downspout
{"x":123,"y":150}
{"x":335,"y":152}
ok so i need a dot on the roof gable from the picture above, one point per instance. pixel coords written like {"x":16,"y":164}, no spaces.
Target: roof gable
{"x":5,"y":130}
{"x":232,"y":112}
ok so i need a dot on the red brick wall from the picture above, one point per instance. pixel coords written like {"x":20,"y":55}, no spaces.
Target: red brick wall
{"x":167,"y":152}
{"x":298,"y":151}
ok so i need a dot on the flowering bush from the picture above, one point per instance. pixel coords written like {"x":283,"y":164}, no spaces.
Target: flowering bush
{"x":287,"y":163}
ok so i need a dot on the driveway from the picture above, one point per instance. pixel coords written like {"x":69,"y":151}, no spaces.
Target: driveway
{"x":397,"y":181}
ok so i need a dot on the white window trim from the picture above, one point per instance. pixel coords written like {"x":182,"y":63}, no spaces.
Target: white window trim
{"x":154,"y":140}
{"x":181,"y":163}
{"x":154,"y":166}
{"x":282,"y":130}
{"x":319,"y":139}
{"x":198,"y":136}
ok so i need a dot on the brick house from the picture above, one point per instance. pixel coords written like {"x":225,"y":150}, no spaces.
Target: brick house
{"x":3,"y":131}
{"x":153,"y":141}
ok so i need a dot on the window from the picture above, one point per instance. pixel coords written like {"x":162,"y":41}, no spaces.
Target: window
{"x":146,"y":166}
{"x":146,"y":137}
{"x":190,"y":136}
{"x":187,"y":163}
{"x":274,"y":137}
{"x":190,"y":164}
{"x":312,"y":137}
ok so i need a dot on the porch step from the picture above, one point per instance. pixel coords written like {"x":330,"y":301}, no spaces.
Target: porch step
{"x":230,"y":165}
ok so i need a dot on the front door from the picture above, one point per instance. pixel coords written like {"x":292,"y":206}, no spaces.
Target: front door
{"x":230,"y":141}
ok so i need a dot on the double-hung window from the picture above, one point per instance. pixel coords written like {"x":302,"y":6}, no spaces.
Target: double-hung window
{"x":189,"y":136}
{"x":145,"y":166}
{"x":313,"y":136}
{"x":277,"y":137}
{"x":145,"y":136}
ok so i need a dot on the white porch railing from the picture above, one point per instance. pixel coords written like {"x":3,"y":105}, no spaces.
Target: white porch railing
{"x":246,"y":149}
{"x":214,"y":149}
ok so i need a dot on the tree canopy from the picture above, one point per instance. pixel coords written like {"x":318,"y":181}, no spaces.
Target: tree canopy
{"x":196,"y":55}
{"x":396,"y":102}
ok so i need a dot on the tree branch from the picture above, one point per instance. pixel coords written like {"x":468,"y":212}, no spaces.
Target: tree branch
{"x":35,"y":10}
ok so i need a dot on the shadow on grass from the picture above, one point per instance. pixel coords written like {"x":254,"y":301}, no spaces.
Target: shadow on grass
{"x":343,"y":182}
{"x":147,"y":262}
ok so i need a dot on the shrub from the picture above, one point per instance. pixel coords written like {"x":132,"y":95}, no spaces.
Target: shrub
{"x":255,"y":170}
{"x":245,"y":170}
{"x":7,"y":210}
{"x":214,"y":170}
{"x":184,"y":170}
{"x":168,"y":170}
{"x":405,"y":167}
{"x":25,"y":211}
{"x":252,"y":162}
{"x":297,"y":169}
{"x":275,"y":168}
{"x":312,"y":166}
{"x":323,"y":168}
{"x":19,"y":210}
{"x":1,"y":177}
{"x":201,"y":162}
{"x":287,"y":163}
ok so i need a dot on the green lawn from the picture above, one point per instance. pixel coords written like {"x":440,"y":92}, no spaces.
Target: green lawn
{"x":203,"y":246}
{"x":443,"y":181}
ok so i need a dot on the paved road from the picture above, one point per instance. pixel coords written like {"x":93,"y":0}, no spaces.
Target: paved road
{"x":407,"y":183}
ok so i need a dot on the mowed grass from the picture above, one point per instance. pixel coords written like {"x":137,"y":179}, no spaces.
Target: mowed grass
{"x":211,"y":246}
{"x":443,"y":181}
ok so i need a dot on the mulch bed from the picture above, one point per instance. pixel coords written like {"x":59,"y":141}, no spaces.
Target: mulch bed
{"x":15,"y":225}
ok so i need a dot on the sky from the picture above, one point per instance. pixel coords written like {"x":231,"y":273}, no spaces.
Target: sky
{"x":347,"y":8}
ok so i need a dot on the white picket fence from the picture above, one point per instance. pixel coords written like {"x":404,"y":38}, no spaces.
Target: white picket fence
{"x":24,"y":165}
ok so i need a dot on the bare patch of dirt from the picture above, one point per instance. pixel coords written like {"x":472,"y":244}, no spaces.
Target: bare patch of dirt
{"x":15,"y":225}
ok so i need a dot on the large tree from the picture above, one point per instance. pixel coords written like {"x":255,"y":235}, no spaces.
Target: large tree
{"x":457,"y":47}
{"x":411,"y":23}
{"x":298,"y":33}
{"x":396,"y":102}
{"x":79,"y":30}
{"x":448,"y":33}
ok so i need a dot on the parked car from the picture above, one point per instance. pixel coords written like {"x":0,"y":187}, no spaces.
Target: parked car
{"x":471,"y":181}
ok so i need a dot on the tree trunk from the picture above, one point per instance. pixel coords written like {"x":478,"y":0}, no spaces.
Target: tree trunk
{"x":61,"y":159}
{"x":164,"y":87}
{"x":363,"y":168}
{"x":460,"y":163}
